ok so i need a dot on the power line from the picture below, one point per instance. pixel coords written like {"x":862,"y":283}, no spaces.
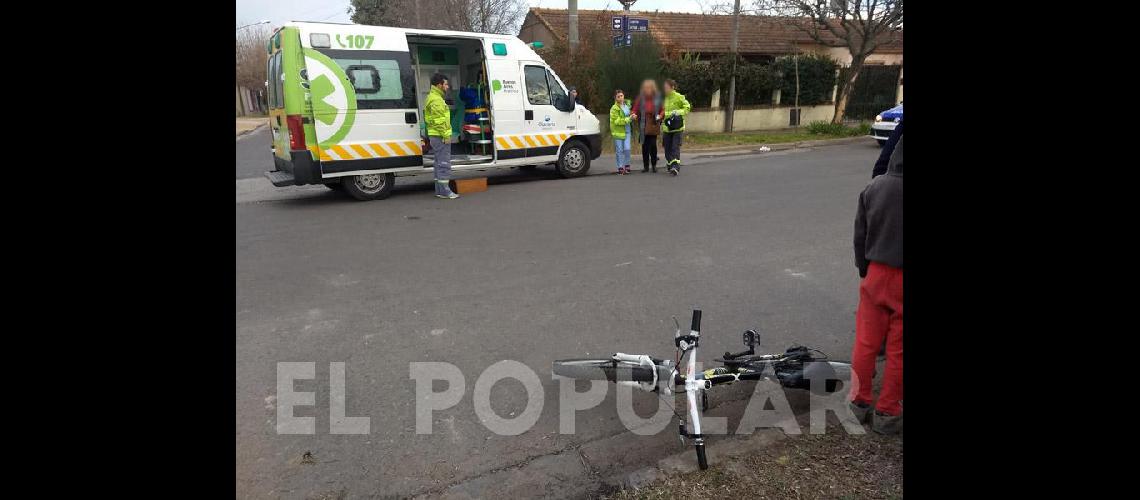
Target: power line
{"x":341,"y":12}
{"x":322,"y":7}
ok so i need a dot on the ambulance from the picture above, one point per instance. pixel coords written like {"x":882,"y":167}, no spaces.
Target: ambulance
{"x":346,"y":106}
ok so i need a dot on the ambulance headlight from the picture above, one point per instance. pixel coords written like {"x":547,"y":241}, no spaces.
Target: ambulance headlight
{"x":878,"y":118}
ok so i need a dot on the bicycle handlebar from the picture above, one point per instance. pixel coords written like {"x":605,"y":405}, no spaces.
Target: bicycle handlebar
{"x":734,"y":355}
{"x":696,"y":321}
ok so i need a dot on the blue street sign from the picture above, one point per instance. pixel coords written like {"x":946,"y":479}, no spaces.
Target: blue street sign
{"x":618,"y":23}
{"x":637,"y":24}
{"x":623,"y":40}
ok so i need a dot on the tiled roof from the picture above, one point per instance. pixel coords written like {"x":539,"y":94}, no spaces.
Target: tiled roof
{"x":701,"y":32}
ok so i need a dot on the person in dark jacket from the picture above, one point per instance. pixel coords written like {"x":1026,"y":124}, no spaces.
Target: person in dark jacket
{"x":879,"y":258}
{"x":885,"y":154}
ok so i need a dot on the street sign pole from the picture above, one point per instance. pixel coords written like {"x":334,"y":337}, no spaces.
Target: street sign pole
{"x":625,"y":26}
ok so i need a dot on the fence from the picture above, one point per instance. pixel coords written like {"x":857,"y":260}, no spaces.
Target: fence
{"x":250,"y":102}
{"x":875,"y":91}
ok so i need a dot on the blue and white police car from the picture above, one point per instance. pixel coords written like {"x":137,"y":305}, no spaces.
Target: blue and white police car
{"x":885,"y":123}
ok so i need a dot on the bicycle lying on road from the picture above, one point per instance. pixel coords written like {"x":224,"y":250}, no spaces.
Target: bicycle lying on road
{"x":795,"y":368}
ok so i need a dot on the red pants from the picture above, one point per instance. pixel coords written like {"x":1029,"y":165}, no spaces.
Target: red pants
{"x":879,"y":318}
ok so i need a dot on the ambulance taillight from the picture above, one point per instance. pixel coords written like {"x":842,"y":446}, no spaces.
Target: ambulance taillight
{"x":296,"y":132}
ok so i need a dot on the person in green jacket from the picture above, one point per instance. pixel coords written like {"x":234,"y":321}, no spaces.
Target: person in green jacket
{"x":675,"y":108}
{"x":619,"y":129}
{"x":437,"y":116}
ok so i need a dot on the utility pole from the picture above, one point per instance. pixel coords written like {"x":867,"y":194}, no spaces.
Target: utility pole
{"x":796,"y":60}
{"x":732,"y":82}
{"x":572,"y":5}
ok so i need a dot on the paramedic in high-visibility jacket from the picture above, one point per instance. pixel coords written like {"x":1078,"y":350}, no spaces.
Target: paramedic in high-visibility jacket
{"x":437,"y":116}
{"x":676,"y":107}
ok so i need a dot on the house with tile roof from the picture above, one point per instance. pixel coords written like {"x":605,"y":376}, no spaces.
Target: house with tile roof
{"x":761,"y":37}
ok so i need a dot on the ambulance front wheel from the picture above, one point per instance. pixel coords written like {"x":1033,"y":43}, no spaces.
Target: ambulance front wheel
{"x":574,"y":161}
{"x":369,"y":186}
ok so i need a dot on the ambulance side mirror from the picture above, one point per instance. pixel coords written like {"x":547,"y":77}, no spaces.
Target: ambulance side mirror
{"x":563,"y":103}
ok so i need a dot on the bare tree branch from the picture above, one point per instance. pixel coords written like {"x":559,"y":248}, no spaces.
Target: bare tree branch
{"x":862,"y":26}
{"x":485,"y":16}
{"x":251,"y":56}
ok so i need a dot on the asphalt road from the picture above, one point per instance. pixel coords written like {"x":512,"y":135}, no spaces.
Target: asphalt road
{"x":254,"y":156}
{"x":531,"y":271}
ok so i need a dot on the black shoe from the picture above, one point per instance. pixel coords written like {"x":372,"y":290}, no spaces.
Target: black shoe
{"x":862,"y":412}
{"x":886,"y":424}
{"x":644,"y":169}
{"x":654,"y":167}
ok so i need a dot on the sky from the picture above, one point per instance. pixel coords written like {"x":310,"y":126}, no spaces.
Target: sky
{"x":279,"y":12}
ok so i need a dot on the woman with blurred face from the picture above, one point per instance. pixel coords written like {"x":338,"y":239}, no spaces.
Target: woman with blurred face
{"x":647,"y":107}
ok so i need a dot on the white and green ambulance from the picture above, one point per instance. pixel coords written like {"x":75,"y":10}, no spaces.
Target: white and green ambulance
{"x":346,"y":106}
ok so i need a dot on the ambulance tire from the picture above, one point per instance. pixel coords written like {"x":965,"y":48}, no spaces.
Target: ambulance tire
{"x":574,"y":160}
{"x":369,"y":187}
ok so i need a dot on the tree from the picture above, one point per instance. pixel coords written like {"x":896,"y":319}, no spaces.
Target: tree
{"x":625,"y":68}
{"x":380,"y":12}
{"x":496,"y":16}
{"x":483,"y":16}
{"x":860,"y":25}
{"x":252,"y":57}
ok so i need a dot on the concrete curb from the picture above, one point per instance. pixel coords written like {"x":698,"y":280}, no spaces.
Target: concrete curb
{"x":718,"y":452}
{"x":251,"y":130}
{"x":755,"y":148}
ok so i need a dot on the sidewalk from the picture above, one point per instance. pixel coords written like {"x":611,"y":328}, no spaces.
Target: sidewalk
{"x":717,"y":151}
{"x":247,"y":125}
{"x":772,"y":464}
{"x":831,"y":465}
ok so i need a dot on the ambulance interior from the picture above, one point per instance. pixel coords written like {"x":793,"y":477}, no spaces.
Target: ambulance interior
{"x":463,"y":62}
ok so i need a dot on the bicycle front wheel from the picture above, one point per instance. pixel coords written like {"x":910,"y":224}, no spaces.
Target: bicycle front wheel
{"x":702,"y":460}
{"x":603,"y":369}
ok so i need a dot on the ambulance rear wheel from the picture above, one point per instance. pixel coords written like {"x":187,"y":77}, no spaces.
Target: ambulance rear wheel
{"x":574,"y":161}
{"x":369,"y":186}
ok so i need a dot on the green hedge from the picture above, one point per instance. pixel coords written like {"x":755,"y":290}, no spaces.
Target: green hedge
{"x":755,"y":82}
{"x":625,"y":68}
{"x":598,"y":69}
{"x":817,"y":78}
{"x":694,"y":78}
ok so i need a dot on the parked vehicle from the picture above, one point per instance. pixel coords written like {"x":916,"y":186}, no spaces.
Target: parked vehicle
{"x":885,"y":123}
{"x":346,"y":105}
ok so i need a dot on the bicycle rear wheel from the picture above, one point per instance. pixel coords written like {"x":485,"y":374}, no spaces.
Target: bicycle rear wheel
{"x":602,"y":369}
